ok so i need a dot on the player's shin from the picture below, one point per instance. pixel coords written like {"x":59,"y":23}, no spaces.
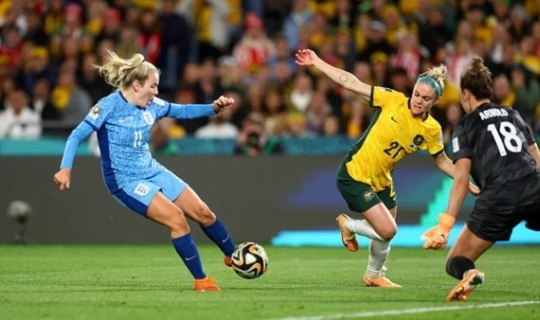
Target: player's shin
{"x":186,"y":249}
{"x":458,"y":265}
{"x":378,"y":253}
{"x":218,"y":233}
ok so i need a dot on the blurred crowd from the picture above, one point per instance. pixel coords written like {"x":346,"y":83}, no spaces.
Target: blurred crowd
{"x":245,"y":49}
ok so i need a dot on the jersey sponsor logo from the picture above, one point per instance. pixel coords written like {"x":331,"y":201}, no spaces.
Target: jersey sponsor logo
{"x":141,"y":189}
{"x":455,"y":145}
{"x":159,"y":101}
{"x":368,"y":195}
{"x":94,"y":112}
{"x":148,"y":117}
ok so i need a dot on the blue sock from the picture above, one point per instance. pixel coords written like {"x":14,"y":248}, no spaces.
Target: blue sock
{"x":186,"y":249}
{"x":220,"y":235}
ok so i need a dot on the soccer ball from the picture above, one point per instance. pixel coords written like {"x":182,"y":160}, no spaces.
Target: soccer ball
{"x":249,"y":260}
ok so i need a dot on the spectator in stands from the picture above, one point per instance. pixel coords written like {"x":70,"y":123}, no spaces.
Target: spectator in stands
{"x":176,"y":45}
{"x":527,"y":89}
{"x":344,"y":15}
{"x":454,"y":113}
{"x":41,"y":101}
{"x":301,"y":93}
{"x":274,"y":111}
{"x":519,"y":23}
{"x":160,"y":140}
{"x":54,"y":17}
{"x":299,"y":16}
{"x":317,"y":111}
{"x":35,"y":33}
{"x":150,"y":35}
{"x":18,"y":120}
{"x":35,"y":65}
{"x":209,"y":18}
{"x":408,"y":55}
{"x":376,"y":42}
{"x":239,"y":110}
{"x":253,"y":140}
{"x":503,"y":93}
{"x":128,"y":41}
{"x":331,"y":127}
{"x":254,"y":97}
{"x":112,"y":24}
{"x":72,"y":26}
{"x":89,"y":79}
{"x":254,"y":49}
{"x":11,"y":46}
{"x":297,"y":125}
{"x":344,"y":48}
{"x":72,"y":101}
{"x":219,"y":127}
{"x":8,"y":86}
{"x":357,"y":119}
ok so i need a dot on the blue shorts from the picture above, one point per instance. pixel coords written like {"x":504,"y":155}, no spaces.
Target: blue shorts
{"x":138,"y":194}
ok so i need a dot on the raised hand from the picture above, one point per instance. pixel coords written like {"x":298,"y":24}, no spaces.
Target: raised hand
{"x":221,"y":103}
{"x":305,"y":57}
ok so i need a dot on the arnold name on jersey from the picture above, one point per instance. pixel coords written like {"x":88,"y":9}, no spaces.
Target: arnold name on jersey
{"x":493,"y":112}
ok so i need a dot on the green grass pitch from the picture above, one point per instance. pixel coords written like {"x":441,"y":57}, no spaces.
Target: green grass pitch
{"x":150,"y":282}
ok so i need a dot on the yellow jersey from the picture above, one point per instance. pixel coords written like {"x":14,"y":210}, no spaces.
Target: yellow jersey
{"x":392,"y":134}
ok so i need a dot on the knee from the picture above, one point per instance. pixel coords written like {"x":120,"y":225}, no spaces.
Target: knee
{"x":387,"y":234}
{"x":177,"y":222}
{"x":204,"y":215}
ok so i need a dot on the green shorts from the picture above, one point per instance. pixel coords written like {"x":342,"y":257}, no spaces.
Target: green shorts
{"x":360,"y":196}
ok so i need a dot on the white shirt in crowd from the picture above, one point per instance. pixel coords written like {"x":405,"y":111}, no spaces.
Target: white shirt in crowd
{"x":25,"y":125}
{"x":217,"y":131}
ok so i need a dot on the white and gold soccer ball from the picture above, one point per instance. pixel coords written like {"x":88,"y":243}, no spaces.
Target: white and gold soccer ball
{"x":249,"y":260}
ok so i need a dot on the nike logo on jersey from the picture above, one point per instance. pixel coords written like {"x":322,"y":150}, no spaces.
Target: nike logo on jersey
{"x":394,"y":120}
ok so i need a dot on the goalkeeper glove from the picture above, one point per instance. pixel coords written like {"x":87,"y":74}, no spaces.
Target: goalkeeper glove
{"x":437,"y":237}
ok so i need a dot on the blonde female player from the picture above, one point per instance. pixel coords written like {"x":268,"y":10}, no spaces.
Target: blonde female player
{"x":400,"y":126}
{"x":123,"y":121}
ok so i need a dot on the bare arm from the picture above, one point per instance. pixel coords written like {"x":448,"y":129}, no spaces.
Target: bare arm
{"x":445,"y":164}
{"x":307,"y":57}
{"x":533,"y":149}
{"x":459,"y":187}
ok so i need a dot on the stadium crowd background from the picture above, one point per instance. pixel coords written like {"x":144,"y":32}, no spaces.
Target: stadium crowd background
{"x":245,"y":49}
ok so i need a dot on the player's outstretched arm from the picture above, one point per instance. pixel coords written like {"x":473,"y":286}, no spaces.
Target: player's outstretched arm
{"x":63,"y":177}
{"x":437,"y":237}
{"x":533,"y":149}
{"x":307,"y":57}
{"x":192,"y":111}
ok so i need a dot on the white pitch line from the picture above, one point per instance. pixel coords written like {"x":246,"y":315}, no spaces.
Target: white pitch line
{"x":368,"y":314}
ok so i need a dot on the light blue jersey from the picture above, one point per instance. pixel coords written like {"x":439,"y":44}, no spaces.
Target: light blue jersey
{"x":123,"y":131}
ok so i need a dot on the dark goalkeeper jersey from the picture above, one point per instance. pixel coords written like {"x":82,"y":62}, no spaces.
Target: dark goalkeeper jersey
{"x":496,"y":139}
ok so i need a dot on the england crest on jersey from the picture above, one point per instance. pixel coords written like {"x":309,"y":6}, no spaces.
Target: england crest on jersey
{"x":148,"y":117}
